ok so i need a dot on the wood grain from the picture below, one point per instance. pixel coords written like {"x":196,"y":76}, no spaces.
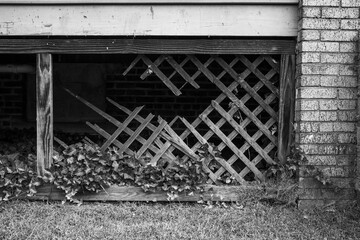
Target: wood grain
{"x":146,"y":46}
{"x":44,"y":112}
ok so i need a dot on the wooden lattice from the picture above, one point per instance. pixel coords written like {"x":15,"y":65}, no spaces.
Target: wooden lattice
{"x":165,"y":143}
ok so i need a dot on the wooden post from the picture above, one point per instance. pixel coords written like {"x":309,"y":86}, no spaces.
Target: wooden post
{"x":287,"y":106}
{"x":44,"y":112}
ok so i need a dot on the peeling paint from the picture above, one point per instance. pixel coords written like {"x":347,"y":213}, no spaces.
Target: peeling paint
{"x":152,"y":12}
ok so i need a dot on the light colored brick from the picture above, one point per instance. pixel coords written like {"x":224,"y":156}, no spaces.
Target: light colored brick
{"x":328,"y":149}
{"x":309,"y":80}
{"x":330,"y":12}
{"x":322,"y":160}
{"x":350,"y":3}
{"x":338,"y":58}
{"x":350,"y":24}
{"x":341,"y":36}
{"x":307,"y":57}
{"x":333,"y":3}
{"x":336,"y":171}
{"x":309,"y":116}
{"x":327,"y":116}
{"x":348,"y":70}
{"x":319,"y":69}
{"x":344,"y":127}
{"x":347,"y":138}
{"x":326,"y":127}
{"x":346,"y":104}
{"x":314,"y":23}
{"x":309,"y":105}
{"x":348,"y":47}
{"x":315,"y":92}
{"x":318,"y":138}
{"x":319,"y":46}
{"x":328,"y":104}
{"x":347,"y":93}
{"x":309,"y":127}
{"x":311,"y":12}
{"x":347,"y":115}
{"x":345,"y":160}
{"x":307,"y":35}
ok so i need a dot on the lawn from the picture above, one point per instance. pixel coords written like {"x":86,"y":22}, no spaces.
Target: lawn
{"x":253,"y":220}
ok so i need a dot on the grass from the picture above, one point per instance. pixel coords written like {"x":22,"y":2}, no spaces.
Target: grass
{"x":41,"y":220}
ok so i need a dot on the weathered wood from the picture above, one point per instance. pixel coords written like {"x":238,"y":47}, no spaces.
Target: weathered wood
{"x":234,"y":99}
{"x":242,"y":132}
{"x":44,"y":112}
{"x":286,"y":106}
{"x":146,"y":46}
{"x":61,"y":143}
{"x":233,"y":148}
{"x":247,"y":87}
{"x":118,"y":131}
{"x":156,"y":70}
{"x":145,"y":20}
{"x":117,"y":193}
{"x":222,"y":162}
{"x":182,"y":72}
{"x":136,"y":133}
{"x":91,"y":2}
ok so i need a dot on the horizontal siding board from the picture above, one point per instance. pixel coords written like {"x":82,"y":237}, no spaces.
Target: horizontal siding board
{"x":146,"y":46}
{"x":149,"y":2}
{"x":148,"y":20}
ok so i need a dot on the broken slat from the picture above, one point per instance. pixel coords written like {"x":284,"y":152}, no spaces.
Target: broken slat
{"x":151,"y":139}
{"x":233,"y":148}
{"x":248,"y":89}
{"x":133,"y":63}
{"x":182,"y":72}
{"x":61,"y":143}
{"x":242,"y":132}
{"x":120,"y":129}
{"x":136,"y":133}
{"x":162,"y":77}
{"x":210,"y":149}
{"x":148,"y":71}
{"x":106,"y":135}
{"x":235,"y":100}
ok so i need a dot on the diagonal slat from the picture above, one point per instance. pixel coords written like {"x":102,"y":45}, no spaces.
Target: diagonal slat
{"x":182,"y":72}
{"x":120,"y":129}
{"x":157,"y":63}
{"x":275,"y":65}
{"x":133,"y":63}
{"x":151,"y":139}
{"x":233,"y":148}
{"x":136,"y":133}
{"x":210,"y":149}
{"x":162,"y":77}
{"x":259,"y":74}
{"x":106,"y":135}
{"x":242,"y":132}
{"x":235,"y":100}
{"x":249,"y":89}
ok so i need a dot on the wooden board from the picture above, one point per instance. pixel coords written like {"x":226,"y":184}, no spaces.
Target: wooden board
{"x":146,"y":46}
{"x":116,"y":193}
{"x":149,"y":2}
{"x":148,"y":20}
{"x":44,"y":112}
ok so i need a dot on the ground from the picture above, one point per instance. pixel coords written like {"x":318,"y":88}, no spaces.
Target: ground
{"x":251,"y":220}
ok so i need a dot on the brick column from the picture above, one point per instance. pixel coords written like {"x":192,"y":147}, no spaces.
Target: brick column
{"x":326,"y":99}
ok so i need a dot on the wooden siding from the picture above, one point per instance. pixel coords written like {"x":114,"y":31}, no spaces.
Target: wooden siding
{"x":148,"y":20}
{"x":149,"y":2}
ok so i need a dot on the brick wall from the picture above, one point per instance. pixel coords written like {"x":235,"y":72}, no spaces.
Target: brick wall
{"x":327,"y":97}
{"x":11,"y":98}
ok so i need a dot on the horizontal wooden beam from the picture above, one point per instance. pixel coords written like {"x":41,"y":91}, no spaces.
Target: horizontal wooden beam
{"x":145,"y":46}
{"x":54,"y":2}
{"x":149,"y":20}
{"x":116,"y":193}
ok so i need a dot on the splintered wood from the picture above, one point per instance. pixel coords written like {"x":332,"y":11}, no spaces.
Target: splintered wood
{"x":241,"y":123}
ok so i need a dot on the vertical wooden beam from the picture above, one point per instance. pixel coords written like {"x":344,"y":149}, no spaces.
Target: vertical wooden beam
{"x":286,"y":106}
{"x":44,"y":112}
